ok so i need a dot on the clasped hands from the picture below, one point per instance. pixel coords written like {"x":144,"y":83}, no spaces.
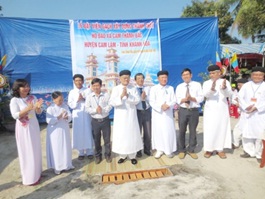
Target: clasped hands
{"x":80,"y":97}
{"x":124,"y":92}
{"x":251,"y":109}
{"x":63,"y":115}
{"x":143,"y":96}
{"x":165,"y":106}
{"x":32,"y":106}
{"x":99,"y":110}
{"x":187,"y":99}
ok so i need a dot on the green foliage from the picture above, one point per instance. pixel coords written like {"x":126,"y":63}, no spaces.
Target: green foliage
{"x":211,"y":8}
{"x":4,"y":103}
{"x":204,"y":76}
{"x":249,"y":17}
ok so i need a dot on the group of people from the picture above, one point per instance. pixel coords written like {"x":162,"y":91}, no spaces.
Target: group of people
{"x":143,"y":120}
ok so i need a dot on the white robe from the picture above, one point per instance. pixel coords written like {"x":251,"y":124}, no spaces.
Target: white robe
{"x":252,"y":125}
{"x":28,"y":142}
{"x":126,"y":132}
{"x":82,"y":130}
{"x":163,"y":125}
{"x":58,"y":142}
{"x":216,"y":118}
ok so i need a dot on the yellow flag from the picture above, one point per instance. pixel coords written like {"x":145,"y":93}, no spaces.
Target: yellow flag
{"x":3,"y":61}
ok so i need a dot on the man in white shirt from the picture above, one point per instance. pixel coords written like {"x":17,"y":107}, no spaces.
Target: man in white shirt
{"x":252,"y":101}
{"x":162,"y":100}
{"x":144,"y":113}
{"x":97,"y":105}
{"x":189,"y":96}
{"x":127,"y":139}
{"x":82,"y":132}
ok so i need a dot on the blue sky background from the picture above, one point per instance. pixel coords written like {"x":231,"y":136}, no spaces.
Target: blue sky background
{"x":96,"y":9}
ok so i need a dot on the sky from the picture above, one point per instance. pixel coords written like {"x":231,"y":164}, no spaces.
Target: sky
{"x":96,"y":9}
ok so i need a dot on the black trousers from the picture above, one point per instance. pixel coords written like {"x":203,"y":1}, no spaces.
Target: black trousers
{"x":144,"y":120}
{"x":103,"y":126}
{"x":187,"y":117}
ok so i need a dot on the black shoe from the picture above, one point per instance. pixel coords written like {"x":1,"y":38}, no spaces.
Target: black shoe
{"x":139,"y":154}
{"x":133,"y":161}
{"x":98,"y":159}
{"x":108,"y":159}
{"x":148,"y":153}
{"x":121,"y":160}
{"x":81,"y":157}
{"x":245,"y":155}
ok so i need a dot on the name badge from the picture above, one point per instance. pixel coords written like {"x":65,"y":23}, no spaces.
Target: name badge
{"x":253,"y":99}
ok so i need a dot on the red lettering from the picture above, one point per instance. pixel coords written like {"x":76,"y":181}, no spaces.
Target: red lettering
{"x":126,"y":26}
{"x":138,"y":25}
{"x":138,"y":35}
{"x":116,"y":35}
{"x":96,"y":26}
{"x":150,"y":25}
{"x":106,"y":26}
{"x":128,"y":35}
{"x":116,"y":26}
{"x":123,"y":44}
{"x":90,"y":44}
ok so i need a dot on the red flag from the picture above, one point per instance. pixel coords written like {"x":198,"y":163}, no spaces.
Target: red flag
{"x":226,"y":60}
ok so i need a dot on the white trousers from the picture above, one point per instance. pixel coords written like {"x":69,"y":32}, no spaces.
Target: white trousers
{"x":253,"y":147}
{"x":131,"y":156}
{"x":236,"y":135}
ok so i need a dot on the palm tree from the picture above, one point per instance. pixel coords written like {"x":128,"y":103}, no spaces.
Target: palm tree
{"x":249,"y":16}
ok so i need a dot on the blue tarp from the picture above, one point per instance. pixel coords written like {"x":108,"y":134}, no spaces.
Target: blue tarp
{"x":188,"y":43}
{"x":38,"y":50}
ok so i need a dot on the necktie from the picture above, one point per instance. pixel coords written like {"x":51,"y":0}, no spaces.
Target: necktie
{"x":143,"y":102}
{"x":187,"y":94}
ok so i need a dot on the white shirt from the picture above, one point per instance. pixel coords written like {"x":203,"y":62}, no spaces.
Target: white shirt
{"x":195,"y":90}
{"x":93,"y":101}
{"x":146,"y":89}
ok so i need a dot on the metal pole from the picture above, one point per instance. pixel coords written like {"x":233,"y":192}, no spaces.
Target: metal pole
{"x":263,"y":59}
{"x":230,"y":72}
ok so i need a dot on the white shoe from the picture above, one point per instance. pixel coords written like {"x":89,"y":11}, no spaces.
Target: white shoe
{"x":170,"y":155}
{"x":158,"y":154}
{"x":57,"y":172}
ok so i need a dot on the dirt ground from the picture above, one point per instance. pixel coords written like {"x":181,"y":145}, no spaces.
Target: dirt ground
{"x":215,"y":178}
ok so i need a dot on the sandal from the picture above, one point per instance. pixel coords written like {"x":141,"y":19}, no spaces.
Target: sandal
{"x":221,"y":155}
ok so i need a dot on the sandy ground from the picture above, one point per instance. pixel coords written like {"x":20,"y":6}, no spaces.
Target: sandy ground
{"x":233,"y":177}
